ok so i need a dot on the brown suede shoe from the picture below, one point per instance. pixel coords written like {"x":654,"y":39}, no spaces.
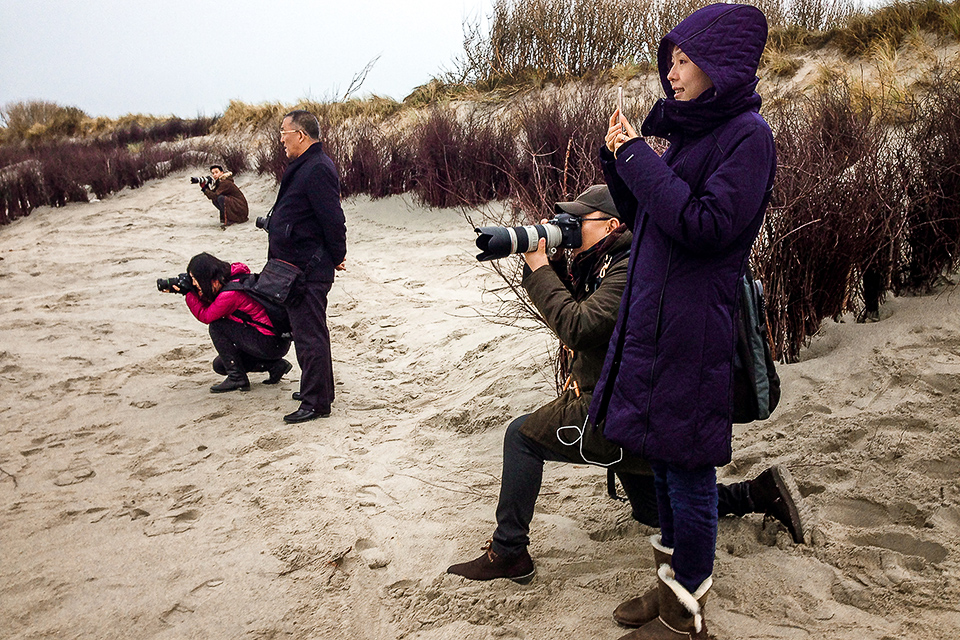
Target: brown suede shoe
{"x":490,"y":566}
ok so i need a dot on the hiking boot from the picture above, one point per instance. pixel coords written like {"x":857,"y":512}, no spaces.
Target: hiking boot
{"x":637,"y":612}
{"x":491,"y":566}
{"x":774,"y":493}
{"x":277,"y":370}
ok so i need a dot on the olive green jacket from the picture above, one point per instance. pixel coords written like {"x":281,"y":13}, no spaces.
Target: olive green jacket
{"x":583,"y":319}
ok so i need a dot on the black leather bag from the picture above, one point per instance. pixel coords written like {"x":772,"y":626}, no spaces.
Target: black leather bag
{"x":279,"y":281}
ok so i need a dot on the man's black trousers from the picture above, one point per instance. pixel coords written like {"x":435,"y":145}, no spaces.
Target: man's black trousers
{"x":311,"y":338}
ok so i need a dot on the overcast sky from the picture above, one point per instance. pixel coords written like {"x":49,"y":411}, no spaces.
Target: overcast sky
{"x":112,"y":57}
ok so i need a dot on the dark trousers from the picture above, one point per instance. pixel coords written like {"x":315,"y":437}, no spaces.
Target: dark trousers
{"x":732,"y":499}
{"x":245,"y":345}
{"x":219,"y":202}
{"x":687,"y":501}
{"x":308,"y":319}
{"x":522,"y":476}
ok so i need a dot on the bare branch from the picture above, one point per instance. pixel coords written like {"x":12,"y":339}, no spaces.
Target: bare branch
{"x":359,"y":78}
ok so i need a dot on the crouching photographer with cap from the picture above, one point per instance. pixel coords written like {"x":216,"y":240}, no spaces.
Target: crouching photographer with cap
{"x":580,"y":305}
{"x":240,"y":327}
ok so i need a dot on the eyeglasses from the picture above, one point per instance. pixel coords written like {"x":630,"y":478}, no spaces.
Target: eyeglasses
{"x":283,"y":133}
{"x":582,"y":220}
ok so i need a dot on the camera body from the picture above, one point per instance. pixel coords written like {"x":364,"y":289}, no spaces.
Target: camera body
{"x":205,"y":182}
{"x":183,"y":282}
{"x":561,"y":232}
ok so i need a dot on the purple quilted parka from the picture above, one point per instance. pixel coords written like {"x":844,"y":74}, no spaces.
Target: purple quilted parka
{"x":666,"y":386}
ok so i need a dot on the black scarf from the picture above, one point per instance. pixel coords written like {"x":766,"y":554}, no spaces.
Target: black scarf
{"x":585,"y":267}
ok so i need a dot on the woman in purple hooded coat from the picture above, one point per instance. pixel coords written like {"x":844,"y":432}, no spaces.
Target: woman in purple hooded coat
{"x":666,"y":387}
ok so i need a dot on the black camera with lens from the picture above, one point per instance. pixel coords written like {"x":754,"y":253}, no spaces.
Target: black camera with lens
{"x":183,"y":284}
{"x":205,"y":182}
{"x":561,"y":232}
{"x":263,"y":222}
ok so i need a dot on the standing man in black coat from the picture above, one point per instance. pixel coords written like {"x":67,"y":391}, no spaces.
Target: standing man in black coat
{"x":307,"y":229}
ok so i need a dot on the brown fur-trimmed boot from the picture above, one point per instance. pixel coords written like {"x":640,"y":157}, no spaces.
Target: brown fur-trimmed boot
{"x":637,"y":612}
{"x":681,"y":612}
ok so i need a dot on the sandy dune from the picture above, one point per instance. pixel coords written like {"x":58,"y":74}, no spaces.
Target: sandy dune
{"x":135,"y":504}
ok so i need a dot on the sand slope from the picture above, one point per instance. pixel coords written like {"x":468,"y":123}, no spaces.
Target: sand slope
{"x":135,"y":504}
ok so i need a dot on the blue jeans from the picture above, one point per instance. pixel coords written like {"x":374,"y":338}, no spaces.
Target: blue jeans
{"x":687,"y":503}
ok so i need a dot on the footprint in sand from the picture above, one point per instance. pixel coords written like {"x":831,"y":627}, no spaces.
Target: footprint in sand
{"x":133,"y":511}
{"x":78,"y":471}
{"x":372,"y":555}
{"x":903,"y":543}
{"x":274,"y":441}
{"x":372,"y":498}
{"x":856,"y":512}
{"x":172,"y":523}
{"x":190,"y":602}
{"x":96,"y":513}
{"x":183,"y":513}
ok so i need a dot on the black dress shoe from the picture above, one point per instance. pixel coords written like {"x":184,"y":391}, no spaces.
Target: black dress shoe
{"x":305,"y":415}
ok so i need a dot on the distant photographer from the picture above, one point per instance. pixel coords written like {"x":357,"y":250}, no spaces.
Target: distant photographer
{"x":225,"y":194}
{"x":240,"y":328}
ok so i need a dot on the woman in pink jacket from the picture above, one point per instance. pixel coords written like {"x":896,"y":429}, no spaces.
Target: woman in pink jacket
{"x":240,"y":328}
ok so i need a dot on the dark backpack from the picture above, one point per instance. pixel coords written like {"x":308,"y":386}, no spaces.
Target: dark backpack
{"x":756,"y":385}
{"x":276,"y":312}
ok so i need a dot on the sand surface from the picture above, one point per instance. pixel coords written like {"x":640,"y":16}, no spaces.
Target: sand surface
{"x":136,"y":504}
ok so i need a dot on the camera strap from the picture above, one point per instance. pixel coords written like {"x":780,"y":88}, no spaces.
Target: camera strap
{"x":608,"y":262}
{"x":579,"y":440}
{"x":247,"y":319}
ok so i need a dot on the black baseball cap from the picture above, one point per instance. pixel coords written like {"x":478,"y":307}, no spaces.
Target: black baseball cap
{"x":596,"y":198}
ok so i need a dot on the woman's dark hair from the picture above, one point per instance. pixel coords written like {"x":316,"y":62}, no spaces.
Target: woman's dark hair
{"x":207,"y":269}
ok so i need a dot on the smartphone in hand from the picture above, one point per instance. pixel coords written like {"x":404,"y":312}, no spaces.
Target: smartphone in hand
{"x":620,"y":104}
